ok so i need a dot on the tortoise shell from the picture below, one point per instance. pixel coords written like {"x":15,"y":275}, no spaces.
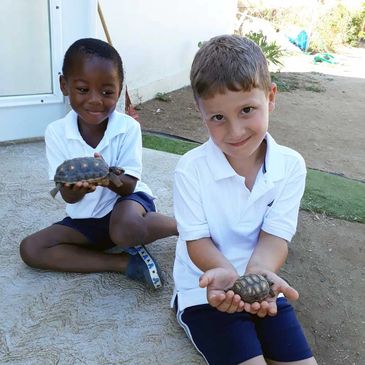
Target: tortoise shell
{"x":253,"y":288}
{"x":90,"y":169}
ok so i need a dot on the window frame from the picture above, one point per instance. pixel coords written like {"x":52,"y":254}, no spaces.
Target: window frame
{"x":55,"y":29}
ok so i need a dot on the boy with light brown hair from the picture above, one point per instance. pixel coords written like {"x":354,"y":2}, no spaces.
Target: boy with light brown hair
{"x":236,"y":202}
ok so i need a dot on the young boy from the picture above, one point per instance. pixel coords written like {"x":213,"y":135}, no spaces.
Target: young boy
{"x":236,"y":202}
{"x":98,"y":217}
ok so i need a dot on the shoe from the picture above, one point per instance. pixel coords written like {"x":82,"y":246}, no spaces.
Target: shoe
{"x":143,"y":267}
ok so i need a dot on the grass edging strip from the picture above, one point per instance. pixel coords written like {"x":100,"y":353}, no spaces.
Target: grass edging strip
{"x":325,"y":193}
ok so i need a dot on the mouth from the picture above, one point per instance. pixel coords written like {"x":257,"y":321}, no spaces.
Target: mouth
{"x":96,"y":112}
{"x":239,"y":143}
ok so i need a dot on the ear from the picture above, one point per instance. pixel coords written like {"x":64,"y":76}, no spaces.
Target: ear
{"x":272,"y":97}
{"x":63,"y":85}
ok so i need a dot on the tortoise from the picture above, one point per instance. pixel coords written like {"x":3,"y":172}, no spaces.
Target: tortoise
{"x":91,"y":169}
{"x":253,"y":288}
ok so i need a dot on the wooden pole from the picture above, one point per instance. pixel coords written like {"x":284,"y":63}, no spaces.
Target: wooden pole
{"x":129,"y":108}
{"x":103,"y":23}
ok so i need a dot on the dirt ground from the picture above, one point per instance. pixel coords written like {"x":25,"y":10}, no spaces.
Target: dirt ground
{"x":321,"y":116}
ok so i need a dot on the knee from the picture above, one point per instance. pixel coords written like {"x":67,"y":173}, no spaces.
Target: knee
{"x":128,"y":234}
{"x":28,"y":252}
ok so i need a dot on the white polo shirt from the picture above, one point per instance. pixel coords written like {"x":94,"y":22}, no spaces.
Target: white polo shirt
{"x":120,"y":146}
{"x":211,"y":200}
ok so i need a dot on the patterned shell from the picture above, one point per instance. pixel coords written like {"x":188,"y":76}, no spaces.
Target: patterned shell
{"x":252,"y":288}
{"x":81,"y":168}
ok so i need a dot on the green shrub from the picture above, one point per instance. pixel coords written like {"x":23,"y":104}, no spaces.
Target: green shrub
{"x":356,"y":27}
{"x":330,"y":28}
{"x":272,"y":51}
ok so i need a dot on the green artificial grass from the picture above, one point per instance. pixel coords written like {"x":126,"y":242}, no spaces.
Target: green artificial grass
{"x":325,"y":193}
{"x":334,"y":196}
{"x":167,"y":144}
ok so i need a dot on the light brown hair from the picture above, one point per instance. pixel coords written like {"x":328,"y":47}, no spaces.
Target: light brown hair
{"x":229,"y":62}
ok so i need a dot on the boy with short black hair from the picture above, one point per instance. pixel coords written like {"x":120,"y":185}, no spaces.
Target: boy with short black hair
{"x":236,"y":202}
{"x":98,"y":217}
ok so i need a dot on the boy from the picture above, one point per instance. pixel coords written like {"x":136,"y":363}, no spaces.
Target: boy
{"x":236,"y":202}
{"x":98,"y":217}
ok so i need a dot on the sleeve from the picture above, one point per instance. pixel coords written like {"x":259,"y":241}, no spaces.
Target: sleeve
{"x":130,"y":152}
{"x":282,"y":217}
{"x":188,"y":208}
{"x":55,"y":151}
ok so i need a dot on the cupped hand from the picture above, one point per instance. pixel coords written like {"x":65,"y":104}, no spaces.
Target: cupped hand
{"x":268,"y":306}
{"x":217,"y":281}
{"x":82,"y":187}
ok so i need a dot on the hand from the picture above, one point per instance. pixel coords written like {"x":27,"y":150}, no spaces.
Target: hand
{"x":268,"y":306}
{"x":217,"y":281}
{"x":81,"y":187}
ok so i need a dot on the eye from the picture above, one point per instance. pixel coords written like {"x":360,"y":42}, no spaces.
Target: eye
{"x":217,"y":117}
{"x":247,"y":110}
{"x":82,"y":90}
{"x":107,"y":92}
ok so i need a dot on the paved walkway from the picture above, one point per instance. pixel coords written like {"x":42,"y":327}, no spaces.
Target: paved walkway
{"x":55,"y":318}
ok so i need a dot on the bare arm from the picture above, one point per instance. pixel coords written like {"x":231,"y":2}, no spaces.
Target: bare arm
{"x":267,"y":258}
{"x":269,"y":254}
{"x":205,"y":255}
{"x":219,"y":275}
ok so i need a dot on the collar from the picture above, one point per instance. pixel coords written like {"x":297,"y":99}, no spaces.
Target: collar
{"x":115,"y":126}
{"x":274,"y":164}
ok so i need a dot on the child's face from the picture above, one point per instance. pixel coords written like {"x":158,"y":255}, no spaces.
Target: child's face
{"x":237,"y":121}
{"x":93,"y":87}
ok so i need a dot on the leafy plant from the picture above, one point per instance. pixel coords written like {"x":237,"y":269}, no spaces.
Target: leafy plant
{"x":272,"y":51}
{"x":356,"y":27}
{"x":163,"y":97}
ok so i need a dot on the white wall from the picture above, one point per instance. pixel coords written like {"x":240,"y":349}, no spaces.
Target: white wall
{"x":29,"y":121}
{"x":158,"y":39}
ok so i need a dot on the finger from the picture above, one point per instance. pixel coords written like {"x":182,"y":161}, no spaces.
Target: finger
{"x":235,"y":304}
{"x":264,"y":307}
{"x":225,"y":305}
{"x":290,"y":293}
{"x":251,"y":308}
{"x":204,"y":280}
{"x":273,"y":309}
{"x":241,"y":306}
{"x":215,"y":300}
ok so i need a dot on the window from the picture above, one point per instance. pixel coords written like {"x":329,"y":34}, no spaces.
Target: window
{"x":30,"y":52}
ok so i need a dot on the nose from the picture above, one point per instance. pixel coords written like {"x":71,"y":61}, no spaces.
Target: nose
{"x":236,"y":129}
{"x":94,"y":97}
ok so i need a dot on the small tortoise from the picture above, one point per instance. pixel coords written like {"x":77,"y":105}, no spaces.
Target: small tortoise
{"x":253,"y":288}
{"x":91,"y":169}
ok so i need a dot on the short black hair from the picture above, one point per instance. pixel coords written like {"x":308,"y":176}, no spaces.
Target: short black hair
{"x":92,"y":47}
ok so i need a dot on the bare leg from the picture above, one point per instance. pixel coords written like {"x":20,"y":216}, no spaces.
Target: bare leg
{"x":310,"y":361}
{"x":258,"y":360}
{"x":62,"y":248}
{"x":130,"y":225}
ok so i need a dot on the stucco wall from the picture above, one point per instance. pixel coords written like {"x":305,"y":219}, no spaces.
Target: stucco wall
{"x":156,"y":39}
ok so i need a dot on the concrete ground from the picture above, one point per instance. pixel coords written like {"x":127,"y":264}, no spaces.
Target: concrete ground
{"x":105,"y":319}
{"x":59,"y":318}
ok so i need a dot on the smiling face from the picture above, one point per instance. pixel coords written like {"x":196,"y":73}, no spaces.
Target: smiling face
{"x":93,"y":86}
{"x":237,"y":121}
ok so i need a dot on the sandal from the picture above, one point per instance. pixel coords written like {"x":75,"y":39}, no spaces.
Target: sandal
{"x":143,"y":267}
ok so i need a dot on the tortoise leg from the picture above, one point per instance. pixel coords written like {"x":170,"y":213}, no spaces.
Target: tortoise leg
{"x":116,"y":170}
{"x":55,"y":190}
{"x":115,"y":179}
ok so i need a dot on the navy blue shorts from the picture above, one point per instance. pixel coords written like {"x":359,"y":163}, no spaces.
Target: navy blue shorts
{"x":229,"y":339}
{"x":96,"y":230}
